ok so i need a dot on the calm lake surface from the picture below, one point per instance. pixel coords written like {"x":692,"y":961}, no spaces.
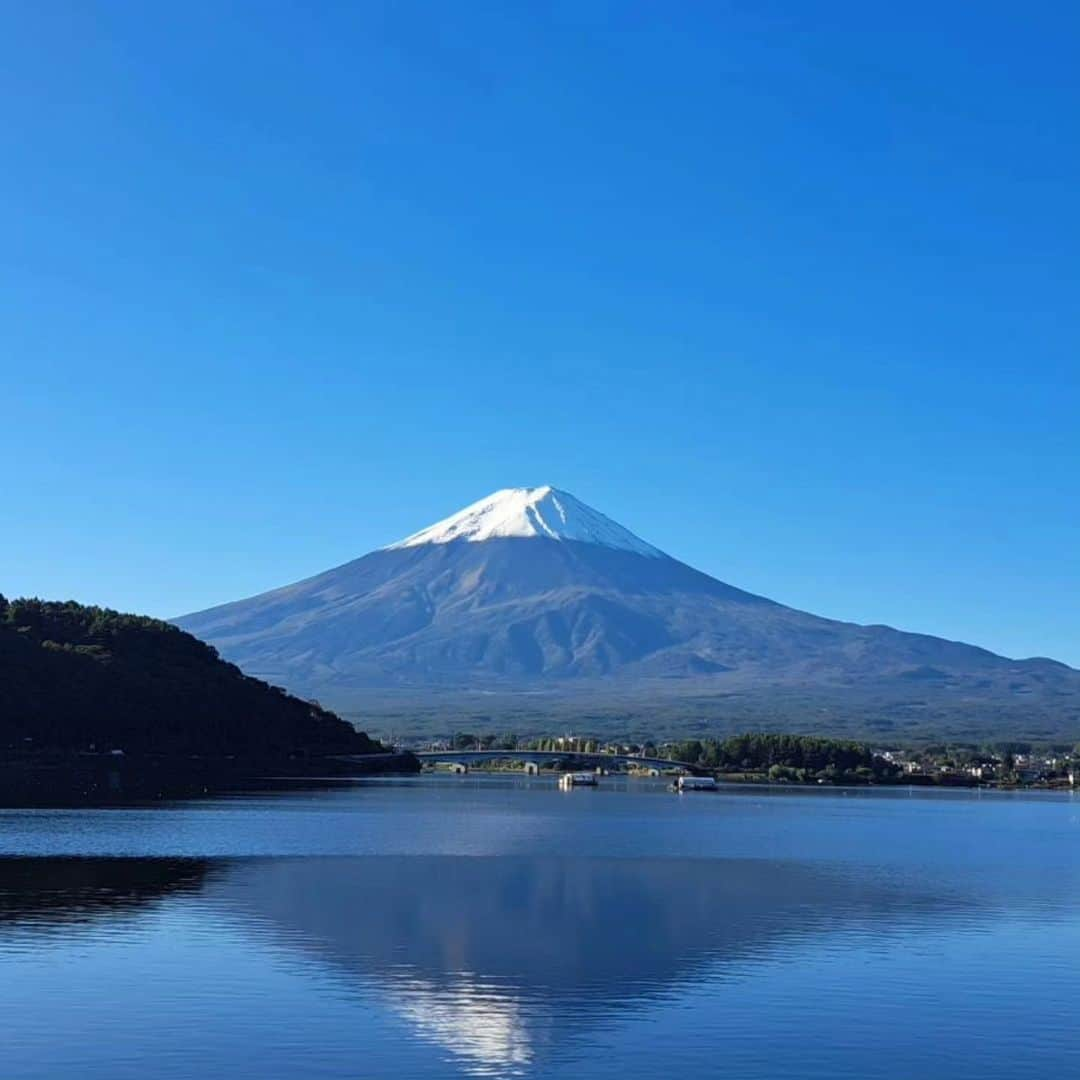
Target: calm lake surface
{"x":487,"y":927}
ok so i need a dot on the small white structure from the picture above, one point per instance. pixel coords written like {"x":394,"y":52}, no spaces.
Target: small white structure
{"x":577,"y":779}
{"x":695,"y":783}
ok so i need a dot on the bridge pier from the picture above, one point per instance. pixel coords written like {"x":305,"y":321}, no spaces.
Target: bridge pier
{"x":531,"y":768}
{"x":459,"y":768}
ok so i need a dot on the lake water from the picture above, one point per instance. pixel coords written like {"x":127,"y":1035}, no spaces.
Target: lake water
{"x":486,"y":927}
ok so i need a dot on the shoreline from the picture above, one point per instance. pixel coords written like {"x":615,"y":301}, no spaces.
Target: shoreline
{"x":102,"y":780}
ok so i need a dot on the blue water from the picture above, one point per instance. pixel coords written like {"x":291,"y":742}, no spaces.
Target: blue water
{"x":480,"y":927}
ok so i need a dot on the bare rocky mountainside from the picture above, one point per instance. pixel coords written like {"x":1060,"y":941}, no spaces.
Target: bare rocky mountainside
{"x":530,"y":604}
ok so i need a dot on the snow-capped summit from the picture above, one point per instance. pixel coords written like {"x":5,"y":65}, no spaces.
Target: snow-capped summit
{"x":530,"y":513}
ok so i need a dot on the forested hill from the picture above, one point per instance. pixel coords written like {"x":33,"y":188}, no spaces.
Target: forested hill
{"x":75,"y":678}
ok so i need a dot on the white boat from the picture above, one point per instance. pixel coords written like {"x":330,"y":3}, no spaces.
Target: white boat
{"x":577,"y":779}
{"x":695,"y":783}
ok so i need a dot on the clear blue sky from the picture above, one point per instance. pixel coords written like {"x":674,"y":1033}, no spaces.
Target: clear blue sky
{"x":789,"y":289}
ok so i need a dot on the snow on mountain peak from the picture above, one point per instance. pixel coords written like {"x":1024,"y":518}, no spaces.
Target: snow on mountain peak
{"x":537,"y":513}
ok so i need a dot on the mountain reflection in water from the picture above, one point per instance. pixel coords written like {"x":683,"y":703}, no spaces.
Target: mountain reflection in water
{"x":500,"y":965}
{"x":498,"y":960}
{"x":501,"y":959}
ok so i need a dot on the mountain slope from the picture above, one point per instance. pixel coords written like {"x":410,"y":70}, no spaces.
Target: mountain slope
{"x":531,"y":589}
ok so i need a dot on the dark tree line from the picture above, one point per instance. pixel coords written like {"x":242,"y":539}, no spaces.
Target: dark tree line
{"x":795,"y":757}
{"x":78,"y":678}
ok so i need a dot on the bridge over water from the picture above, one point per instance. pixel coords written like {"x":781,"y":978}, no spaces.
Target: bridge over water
{"x":562,"y":759}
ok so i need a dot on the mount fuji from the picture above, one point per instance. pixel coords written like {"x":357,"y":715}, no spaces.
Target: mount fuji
{"x":531,"y":596}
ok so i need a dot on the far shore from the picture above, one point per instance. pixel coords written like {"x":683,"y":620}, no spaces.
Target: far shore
{"x":74,"y":780}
